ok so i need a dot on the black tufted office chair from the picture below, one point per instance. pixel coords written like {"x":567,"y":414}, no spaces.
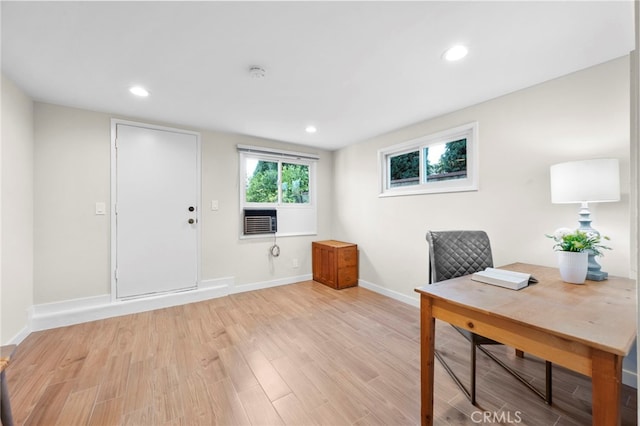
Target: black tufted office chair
{"x":456,"y":253}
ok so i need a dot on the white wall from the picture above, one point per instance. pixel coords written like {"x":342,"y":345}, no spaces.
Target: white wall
{"x":579,"y":116}
{"x":72,"y":151}
{"x":16,"y":289}
{"x":72,"y":174}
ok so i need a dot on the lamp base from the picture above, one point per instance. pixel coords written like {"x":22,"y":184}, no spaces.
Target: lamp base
{"x":597,"y":275}
{"x":593,"y":273}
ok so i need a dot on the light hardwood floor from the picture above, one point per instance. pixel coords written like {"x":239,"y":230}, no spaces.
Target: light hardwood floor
{"x":300,"y":354}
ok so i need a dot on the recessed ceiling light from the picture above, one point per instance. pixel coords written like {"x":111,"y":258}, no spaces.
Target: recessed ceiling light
{"x":139,"y":91}
{"x":455,"y":53}
{"x":311,"y":129}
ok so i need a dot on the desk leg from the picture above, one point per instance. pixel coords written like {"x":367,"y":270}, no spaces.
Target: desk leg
{"x":606,"y":381}
{"x":427,"y":348}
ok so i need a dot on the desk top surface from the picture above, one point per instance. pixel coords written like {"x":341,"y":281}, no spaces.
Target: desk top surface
{"x":600,"y":314}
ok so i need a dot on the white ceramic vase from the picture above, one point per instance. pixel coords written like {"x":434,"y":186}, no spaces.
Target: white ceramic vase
{"x":573,"y":266}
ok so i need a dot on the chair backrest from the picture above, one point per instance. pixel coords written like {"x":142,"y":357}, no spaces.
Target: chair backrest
{"x":456,"y":253}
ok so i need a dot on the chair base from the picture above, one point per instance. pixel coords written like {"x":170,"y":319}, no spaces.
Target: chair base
{"x":546,"y":397}
{"x":455,"y":378}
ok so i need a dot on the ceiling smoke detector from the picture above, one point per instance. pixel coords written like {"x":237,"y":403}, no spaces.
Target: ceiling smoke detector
{"x":256,"y":72}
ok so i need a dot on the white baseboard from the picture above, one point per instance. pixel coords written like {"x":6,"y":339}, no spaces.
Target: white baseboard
{"x":76,"y":311}
{"x":18,"y":338}
{"x":268,"y":284}
{"x":629,"y":378}
{"x":60,"y":314}
{"x":413,"y":301}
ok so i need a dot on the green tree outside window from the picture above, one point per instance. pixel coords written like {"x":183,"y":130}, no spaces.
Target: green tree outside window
{"x":405,"y":169}
{"x":295,"y":183}
{"x":262,"y":186}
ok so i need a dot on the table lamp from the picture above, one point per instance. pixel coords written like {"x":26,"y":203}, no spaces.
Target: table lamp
{"x":584,"y":182}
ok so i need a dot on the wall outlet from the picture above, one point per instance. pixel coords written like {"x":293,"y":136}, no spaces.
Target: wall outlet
{"x":214,"y":205}
{"x":295,"y":263}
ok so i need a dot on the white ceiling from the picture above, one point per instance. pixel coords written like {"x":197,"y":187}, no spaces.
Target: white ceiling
{"x":352,"y":69}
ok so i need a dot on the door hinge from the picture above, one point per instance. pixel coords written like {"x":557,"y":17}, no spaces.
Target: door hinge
{"x":115,"y":274}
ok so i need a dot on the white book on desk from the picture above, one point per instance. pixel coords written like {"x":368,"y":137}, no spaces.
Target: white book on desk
{"x":502,"y":278}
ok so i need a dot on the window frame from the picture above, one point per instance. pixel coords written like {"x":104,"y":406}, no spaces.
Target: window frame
{"x":467,"y":131}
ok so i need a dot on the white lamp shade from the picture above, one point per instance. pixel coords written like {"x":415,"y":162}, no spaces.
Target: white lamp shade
{"x":585,"y":181}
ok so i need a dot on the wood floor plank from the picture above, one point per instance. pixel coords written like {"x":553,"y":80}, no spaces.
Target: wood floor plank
{"x":108,"y":413}
{"x":93,"y":369}
{"x":259,"y":408}
{"x":228,"y":407}
{"x":50,"y":404}
{"x":168,"y":404}
{"x":306,"y":392}
{"x":291,"y":410}
{"x":300,"y":354}
{"x":195,"y":397}
{"x":213,"y":369}
{"x":348,"y":405}
{"x":328,"y":414}
{"x":239,"y":371}
{"x":117,"y":376}
{"x":34,"y":382}
{"x":140,"y":388}
{"x":268,"y":377}
{"x":78,"y":407}
{"x":142,"y":417}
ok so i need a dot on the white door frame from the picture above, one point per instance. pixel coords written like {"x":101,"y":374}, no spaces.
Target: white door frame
{"x":114,"y":189}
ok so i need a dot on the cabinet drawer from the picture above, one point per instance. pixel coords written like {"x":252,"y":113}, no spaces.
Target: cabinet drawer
{"x":347,"y":277}
{"x":347,"y":256}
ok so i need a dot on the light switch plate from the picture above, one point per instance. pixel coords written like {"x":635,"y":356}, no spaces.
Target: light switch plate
{"x":101,"y":208}
{"x":214,"y":204}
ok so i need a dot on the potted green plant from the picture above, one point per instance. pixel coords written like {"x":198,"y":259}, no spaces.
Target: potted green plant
{"x":573,"y":248}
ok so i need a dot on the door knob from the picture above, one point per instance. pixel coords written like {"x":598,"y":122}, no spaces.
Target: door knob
{"x":191,"y":221}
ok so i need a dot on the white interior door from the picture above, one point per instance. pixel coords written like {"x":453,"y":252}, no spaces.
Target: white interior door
{"x":156,"y":210}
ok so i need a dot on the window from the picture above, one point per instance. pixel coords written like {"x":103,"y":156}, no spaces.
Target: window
{"x":282,"y":180}
{"x":442,"y":162}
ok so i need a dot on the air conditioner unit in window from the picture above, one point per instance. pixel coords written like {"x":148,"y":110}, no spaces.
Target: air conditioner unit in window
{"x":260,"y":221}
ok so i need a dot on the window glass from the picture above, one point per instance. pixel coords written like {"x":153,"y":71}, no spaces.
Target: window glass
{"x":404,"y":169}
{"x":261,"y":181}
{"x":446,"y":161}
{"x":295,"y":183}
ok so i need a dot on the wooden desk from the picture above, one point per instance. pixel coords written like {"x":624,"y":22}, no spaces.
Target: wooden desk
{"x":586,"y":328}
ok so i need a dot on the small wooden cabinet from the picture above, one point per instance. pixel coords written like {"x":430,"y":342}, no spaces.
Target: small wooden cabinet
{"x":335,"y":263}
